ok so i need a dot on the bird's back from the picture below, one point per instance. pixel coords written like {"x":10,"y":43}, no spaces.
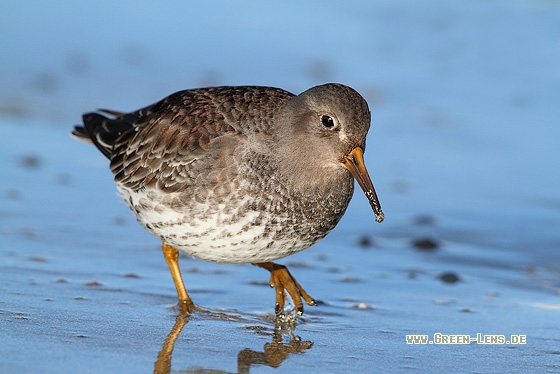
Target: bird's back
{"x":154,"y":146}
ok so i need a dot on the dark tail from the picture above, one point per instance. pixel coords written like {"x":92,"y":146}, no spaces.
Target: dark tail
{"x":102,"y":131}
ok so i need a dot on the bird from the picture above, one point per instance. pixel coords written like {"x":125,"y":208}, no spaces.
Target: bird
{"x":239,"y":174}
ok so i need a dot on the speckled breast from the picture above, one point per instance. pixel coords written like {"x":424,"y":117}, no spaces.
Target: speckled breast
{"x":242,"y":226}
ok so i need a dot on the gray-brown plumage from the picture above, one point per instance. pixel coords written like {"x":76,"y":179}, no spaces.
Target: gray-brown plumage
{"x":239,"y":174}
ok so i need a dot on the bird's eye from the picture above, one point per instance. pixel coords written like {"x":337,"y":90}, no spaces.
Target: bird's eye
{"x":327,"y":121}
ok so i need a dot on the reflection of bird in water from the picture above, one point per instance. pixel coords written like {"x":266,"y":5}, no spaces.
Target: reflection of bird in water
{"x":163,"y":362}
{"x":273,"y":353}
{"x":239,"y":174}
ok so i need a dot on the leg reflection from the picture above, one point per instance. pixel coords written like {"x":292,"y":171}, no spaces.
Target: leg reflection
{"x":273,"y":353}
{"x":163,"y":362}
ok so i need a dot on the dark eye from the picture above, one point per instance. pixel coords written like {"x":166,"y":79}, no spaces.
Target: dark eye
{"x":327,"y":121}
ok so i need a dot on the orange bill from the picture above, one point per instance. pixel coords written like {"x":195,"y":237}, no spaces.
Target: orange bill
{"x":354,"y":162}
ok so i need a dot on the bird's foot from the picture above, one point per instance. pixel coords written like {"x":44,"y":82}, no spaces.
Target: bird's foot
{"x":187,"y":307}
{"x":282,"y":280}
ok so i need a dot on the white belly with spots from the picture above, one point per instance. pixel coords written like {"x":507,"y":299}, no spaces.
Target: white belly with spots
{"x":212,"y":232}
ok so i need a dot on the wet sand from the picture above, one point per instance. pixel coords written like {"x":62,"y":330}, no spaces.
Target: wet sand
{"x":83,"y":287}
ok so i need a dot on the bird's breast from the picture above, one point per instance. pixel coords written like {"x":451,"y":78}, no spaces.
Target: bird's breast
{"x":239,"y":221}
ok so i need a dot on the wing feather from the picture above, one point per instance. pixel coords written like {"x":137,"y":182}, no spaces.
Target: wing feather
{"x":160,"y":145}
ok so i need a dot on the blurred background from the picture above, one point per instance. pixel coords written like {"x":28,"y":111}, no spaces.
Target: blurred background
{"x":464,"y":94}
{"x":464,"y":148}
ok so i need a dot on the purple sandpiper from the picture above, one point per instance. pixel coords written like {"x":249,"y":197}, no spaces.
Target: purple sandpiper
{"x":239,"y":174}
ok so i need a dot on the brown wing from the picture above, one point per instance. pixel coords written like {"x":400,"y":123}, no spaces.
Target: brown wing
{"x":170,"y":138}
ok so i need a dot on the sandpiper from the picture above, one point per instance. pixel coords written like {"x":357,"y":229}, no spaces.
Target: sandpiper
{"x":239,"y":174}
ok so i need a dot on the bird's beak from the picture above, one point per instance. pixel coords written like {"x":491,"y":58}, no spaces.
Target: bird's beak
{"x":354,"y":162}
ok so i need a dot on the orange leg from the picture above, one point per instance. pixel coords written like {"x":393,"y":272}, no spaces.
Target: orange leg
{"x":282,"y":280}
{"x":171,"y":256}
